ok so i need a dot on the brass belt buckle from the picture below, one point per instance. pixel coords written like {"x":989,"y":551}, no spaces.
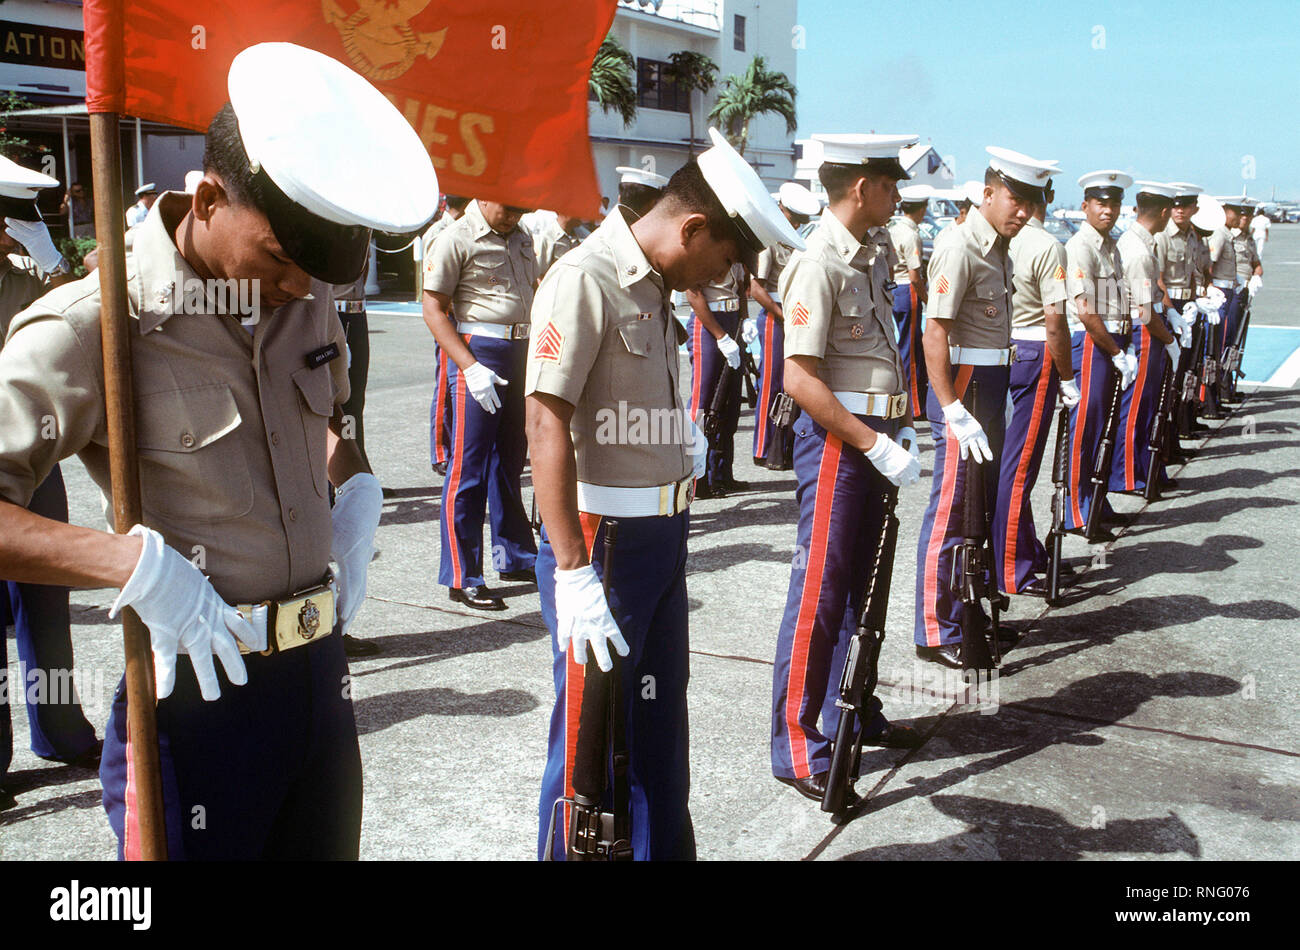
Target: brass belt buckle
{"x":1011,"y":354}
{"x":897,"y":406}
{"x":300,"y":619}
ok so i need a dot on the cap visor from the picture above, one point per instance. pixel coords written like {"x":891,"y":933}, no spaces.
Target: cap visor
{"x":23,"y":209}
{"x":330,"y":252}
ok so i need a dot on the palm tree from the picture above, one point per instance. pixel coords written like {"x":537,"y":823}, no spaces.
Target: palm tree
{"x":612,"y":83}
{"x":759,"y":90}
{"x":692,"y":71}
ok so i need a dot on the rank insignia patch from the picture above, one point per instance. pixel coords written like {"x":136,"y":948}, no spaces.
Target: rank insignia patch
{"x":799,"y":315}
{"x":942,"y":287}
{"x":1078,"y":274}
{"x":1060,"y":273}
{"x":550,"y":344}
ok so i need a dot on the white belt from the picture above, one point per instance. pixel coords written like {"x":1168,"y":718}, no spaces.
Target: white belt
{"x":499,"y":331}
{"x":724,"y":306}
{"x":1119,"y":326}
{"x":350,"y":306}
{"x":257,"y":616}
{"x":874,"y":404}
{"x":978,"y":356}
{"x":1038,"y":334}
{"x":776,"y":297}
{"x":1223,"y":283}
{"x":652,"y":501}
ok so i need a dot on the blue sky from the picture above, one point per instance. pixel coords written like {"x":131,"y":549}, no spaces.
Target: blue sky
{"x":1027,"y":76}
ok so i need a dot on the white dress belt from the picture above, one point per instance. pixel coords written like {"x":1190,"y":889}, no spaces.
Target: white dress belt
{"x":1119,"y":326}
{"x":978,"y":356}
{"x":874,"y":404}
{"x":725,"y":306}
{"x":776,"y":297}
{"x":1038,"y":334}
{"x":499,"y":331}
{"x":649,"y":502}
{"x":1224,"y":283}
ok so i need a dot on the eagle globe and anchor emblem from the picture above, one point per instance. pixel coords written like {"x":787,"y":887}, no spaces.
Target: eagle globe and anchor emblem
{"x":378,"y":36}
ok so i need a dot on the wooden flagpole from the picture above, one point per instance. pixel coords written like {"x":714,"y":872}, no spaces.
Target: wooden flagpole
{"x":144,"y":800}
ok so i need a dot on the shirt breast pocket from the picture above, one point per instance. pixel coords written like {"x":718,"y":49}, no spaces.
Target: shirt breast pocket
{"x":639,"y":364}
{"x":849,"y":328}
{"x":316,"y":407}
{"x":487,"y":271}
{"x":991,"y":299}
{"x":191,"y":464}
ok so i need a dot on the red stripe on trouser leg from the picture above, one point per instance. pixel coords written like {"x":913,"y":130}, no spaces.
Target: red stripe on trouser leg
{"x":440,"y":409}
{"x":760,"y":418}
{"x":795,"y":685}
{"x":574,"y":680}
{"x":942,"y":514}
{"x":914,"y":356}
{"x":1134,"y":410}
{"x":697,"y":367}
{"x":453,"y":478}
{"x":1080,"y":422}
{"x":131,"y":848}
{"x":1022,"y":473}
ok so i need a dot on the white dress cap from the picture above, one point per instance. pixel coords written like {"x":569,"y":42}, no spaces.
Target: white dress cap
{"x":974,"y":191}
{"x":1185,"y":189}
{"x":1241,"y":202}
{"x":798,"y":199}
{"x":192,"y":179}
{"x":1025,"y":176}
{"x":863,"y":149}
{"x":330,"y":140}
{"x":914,"y":194}
{"x":145,"y":189}
{"x":1107,"y":180}
{"x":759,"y":222}
{"x":1161,"y":189}
{"x":19,"y":187}
{"x":1209,"y":213}
{"x":630,"y":175}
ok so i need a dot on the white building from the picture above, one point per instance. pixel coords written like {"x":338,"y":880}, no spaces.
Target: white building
{"x":731,"y":33}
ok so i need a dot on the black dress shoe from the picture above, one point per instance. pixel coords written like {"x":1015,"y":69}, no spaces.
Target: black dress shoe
{"x":731,"y":486}
{"x":1034,"y":587}
{"x":895,"y":736}
{"x":704,"y":490}
{"x":7,"y":800}
{"x":440,"y":468}
{"x":480,"y":598}
{"x":948,"y":655}
{"x":355,"y":647}
{"x":1169,"y":483}
{"x":86,"y":760}
{"x":1104,"y":535}
{"x":527,"y":575}
{"x":814,"y":787}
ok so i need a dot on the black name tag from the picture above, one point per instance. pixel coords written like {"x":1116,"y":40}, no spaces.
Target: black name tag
{"x":322,"y":356}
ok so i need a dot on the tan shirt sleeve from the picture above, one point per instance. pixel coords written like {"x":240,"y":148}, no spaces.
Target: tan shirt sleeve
{"x":1049,"y":271}
{"x":339,"y":365}
{"x":1081,"y":273}
{"x":809,"y":303}
{"x":1219,"y":240}
{"x":948,"y":277}
{"x":568,"y":327}
{"x":51,"y":399}
{"x":442,"y":267}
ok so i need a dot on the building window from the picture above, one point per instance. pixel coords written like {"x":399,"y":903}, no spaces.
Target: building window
{"x":657,"y":89}
{"x":740,"y":32}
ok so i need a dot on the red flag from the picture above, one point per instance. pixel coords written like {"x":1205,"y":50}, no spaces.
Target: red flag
{"x":496,"y":89}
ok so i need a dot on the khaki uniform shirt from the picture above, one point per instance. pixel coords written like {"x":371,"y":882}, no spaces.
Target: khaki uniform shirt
{"x":771,"y":262}
{"x":728,"y":289}
{"x":970,"y":284}
{"x":552,"y":243}
{"x":906,"y":235}
{"x":837,"y":310}
{"x":488,"y":276}
{"x":1200,"y":252}
{"x":230,"y":425}
{"x":1223,"y":255}
{"x":1243,"y":245}
{"x":604,"y":339}
{"x":1176,"y":258}
{"x":21,"y":282}
{"x":1093,"y":269}
{"x":1137,"y":248}
{"x":1038,"y":264}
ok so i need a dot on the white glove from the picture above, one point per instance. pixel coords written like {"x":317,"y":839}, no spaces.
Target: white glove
{"x":582,"y":616}
{"x":1070,"y":394}
{"x":1190,"y":310}
{"x":482,"y":383}
{"x":183,"y":612}
{"x":1253,"y":285}
{"x":893,"y":461}
{"x":1176,"y":320}
{"x":35,"y":238}
{"x":749,"y":330}
{"x":357,"y":506}
{"x":1174,"y":351}
{"x":730,"y":351}
{"x":907,"y":439}
{"x":1127,"y":368}
{"x":699,"y":449}
{"x":1185,"y":336}
{"x":968,"y":432}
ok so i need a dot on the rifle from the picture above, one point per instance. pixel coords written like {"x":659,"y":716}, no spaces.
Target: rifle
{"x":1187,"y":397}
{"x":1060,"y":492}
{"x":858,"y":681}
{"x":1231,"y":367}
{"x":1158,"y":444}
{"x":1100,"y":478}
{"x":970,"y":569}
{"x":596,"y":834}
{"x":712,"y":420}
{"x":1210,"y":368}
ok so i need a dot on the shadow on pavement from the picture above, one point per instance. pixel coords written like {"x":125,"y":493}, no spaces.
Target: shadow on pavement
{"x":375,"y":713}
